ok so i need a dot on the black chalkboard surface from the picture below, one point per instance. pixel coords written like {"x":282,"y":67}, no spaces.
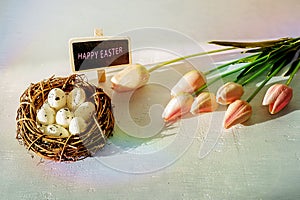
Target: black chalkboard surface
{"x":94,"y":53}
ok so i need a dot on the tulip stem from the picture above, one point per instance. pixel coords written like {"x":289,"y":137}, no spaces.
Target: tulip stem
{"x":265,"y":82}
{"x":252,"y":65}
{"x":230,"y":63}
{"x":266,"y":64}
{"x":188,"y":56}
{"x":293,"y":73}
{"x":255,"y":75}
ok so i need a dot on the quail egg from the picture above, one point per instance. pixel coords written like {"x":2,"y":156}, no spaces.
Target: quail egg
{"x":85,"y":110}
{"x":77,"y":125}
{"x":56,"y":130}
{"x":57,"y":98}
{"x":75,"y":98}
{"x":45,"y":115}
{"x":64,"y":117}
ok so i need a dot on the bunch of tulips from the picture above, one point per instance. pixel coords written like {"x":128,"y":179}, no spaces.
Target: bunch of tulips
{"x":189,"y":95}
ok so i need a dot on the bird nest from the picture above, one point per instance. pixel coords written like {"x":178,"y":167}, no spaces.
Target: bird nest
{"x":71,"y":148}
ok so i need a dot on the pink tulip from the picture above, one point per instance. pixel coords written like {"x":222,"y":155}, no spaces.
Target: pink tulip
{"x":277,"y":97}
{"x":204,"y":102}
{"x":177,"y":107}
{"x":189,"y":83}
{"x":237,"y":112}
{"x":130,"y":78}
{"x":229,"y":92}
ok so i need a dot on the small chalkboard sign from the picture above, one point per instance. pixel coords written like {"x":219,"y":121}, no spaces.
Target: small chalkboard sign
{"x":97,"y":52}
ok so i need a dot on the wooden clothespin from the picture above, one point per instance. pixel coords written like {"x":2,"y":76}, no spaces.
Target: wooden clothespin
{"x":100,"y":72}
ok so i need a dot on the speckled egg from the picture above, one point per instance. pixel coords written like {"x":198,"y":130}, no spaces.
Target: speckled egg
{"x":57,"y":98}
{"x":45,"y":115}
{"x":56,"y":130}
{"x":75,"y":98}
{"x":85,"y":110}
{"x":77,"y":125}
{"x":64,"y":117}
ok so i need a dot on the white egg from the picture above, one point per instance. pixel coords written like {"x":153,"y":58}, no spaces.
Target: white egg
{"x":45,"y":115}
{"x":57,"y":98}
{"x":64,"y":117}
{"x":77,"y":125}
{"x":56,"y":130}
{"x":85,"y":110}
{"x":75,"y":98}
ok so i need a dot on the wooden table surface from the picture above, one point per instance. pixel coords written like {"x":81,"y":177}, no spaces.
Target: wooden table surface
{"x":193,"y":159}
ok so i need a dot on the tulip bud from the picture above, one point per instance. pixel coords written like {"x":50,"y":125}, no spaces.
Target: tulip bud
{"x":204,"y":102}
{"x":237,"y":112}
{"x":178,"y":106}
{"x":277,"y":97}
{"x":229,"y":92}
{"x":130,"y":78}
{"x":189,"y":83}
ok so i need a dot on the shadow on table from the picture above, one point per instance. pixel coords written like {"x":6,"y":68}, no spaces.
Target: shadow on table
{"x":122,"y":142}
{"x":138,"y":119}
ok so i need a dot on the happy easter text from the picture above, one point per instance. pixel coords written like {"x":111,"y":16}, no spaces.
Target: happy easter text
{"x":100,"y":54}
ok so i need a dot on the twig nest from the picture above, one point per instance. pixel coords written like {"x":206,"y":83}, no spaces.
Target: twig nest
{"x":50,"y":126}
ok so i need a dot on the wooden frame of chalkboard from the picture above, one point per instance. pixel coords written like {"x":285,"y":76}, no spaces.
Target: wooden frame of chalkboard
{"x":94,"y":53}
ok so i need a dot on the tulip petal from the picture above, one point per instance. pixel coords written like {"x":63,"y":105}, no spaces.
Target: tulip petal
{"x":277,"y":97}
{"x":272,"y":93}
{"x":204,"y":102}
{"x":130,"y":78}
{"x":229,"y":92}
{"x":178,"y":106}
{"x":281,"y":101}
{"x":189,"y":83}
{"x":238,"y":112}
